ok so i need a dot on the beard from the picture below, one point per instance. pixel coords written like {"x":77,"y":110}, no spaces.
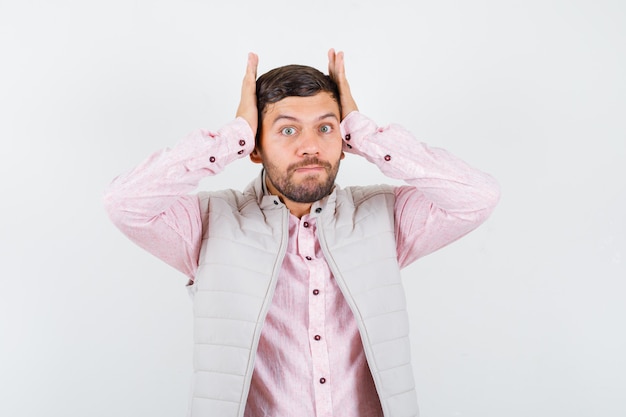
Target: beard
{"x":311,"y":188}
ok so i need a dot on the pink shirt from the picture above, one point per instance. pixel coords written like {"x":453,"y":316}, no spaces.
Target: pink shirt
{"x":310,"y":359}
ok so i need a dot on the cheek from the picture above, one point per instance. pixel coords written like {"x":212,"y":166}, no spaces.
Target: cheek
{"x":335,"y":148}
{"x":274,"y":160}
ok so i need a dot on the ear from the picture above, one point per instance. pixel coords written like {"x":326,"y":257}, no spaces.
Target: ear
{"x":255,"y":156}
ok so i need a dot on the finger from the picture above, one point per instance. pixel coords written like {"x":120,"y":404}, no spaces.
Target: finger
{"x":331,"y":62}
{"x":339,"y":65}
{"x":253,"y":62}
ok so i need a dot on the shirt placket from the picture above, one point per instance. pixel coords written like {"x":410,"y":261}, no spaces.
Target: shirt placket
{"x":317,"y":317}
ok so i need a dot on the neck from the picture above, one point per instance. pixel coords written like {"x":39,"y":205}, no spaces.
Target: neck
{"x":297,"y":209}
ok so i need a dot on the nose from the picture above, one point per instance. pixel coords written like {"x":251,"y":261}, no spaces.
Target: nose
{"x":309,"y":143}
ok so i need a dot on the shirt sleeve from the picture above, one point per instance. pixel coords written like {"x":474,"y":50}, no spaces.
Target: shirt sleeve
{"x":445,"y":197}
{"x":151,"y":204}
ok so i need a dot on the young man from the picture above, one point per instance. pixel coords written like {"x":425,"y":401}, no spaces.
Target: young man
{"x":298,"y":302}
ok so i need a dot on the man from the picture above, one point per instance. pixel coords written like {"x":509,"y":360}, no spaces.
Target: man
{"x":298,"y":303}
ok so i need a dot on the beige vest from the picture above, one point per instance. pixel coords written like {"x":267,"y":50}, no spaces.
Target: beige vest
{"x":242,"y":252}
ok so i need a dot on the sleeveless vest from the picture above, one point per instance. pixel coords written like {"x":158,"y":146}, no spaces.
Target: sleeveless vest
{"x":242,"y":252}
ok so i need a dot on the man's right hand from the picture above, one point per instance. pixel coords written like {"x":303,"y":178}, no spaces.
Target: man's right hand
{"x":337,"y":72}
{"x":247,"y":105}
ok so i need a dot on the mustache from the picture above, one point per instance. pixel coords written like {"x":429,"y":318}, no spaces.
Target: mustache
{"x":309,"y":161}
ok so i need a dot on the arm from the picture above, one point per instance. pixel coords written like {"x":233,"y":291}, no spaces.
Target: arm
{"x":445,"y":197}
{"x":151,"y":204}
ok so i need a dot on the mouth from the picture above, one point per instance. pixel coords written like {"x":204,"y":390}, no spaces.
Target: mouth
{"x":310,"y":168}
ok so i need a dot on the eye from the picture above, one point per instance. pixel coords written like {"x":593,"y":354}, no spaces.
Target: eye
{"x":288,"y":131}
{"x":326,"y":128}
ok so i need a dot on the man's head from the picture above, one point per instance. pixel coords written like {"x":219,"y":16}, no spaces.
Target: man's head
{"x":298,"y":138}
{"x":291,"y":81}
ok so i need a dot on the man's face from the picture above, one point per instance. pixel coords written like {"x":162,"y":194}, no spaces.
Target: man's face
{"x":301,"y":146}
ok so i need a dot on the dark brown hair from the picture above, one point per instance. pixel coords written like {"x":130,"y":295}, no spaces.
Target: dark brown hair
{"x":290,"y":81}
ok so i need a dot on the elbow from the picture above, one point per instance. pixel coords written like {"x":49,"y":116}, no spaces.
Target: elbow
{"x":112,"y":203}
{"x":490,"y":196}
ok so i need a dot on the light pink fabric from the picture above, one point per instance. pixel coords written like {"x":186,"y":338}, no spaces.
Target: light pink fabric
{"x":444,"y":200}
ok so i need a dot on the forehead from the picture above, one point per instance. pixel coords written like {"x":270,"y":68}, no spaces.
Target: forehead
{"x":302,"y":108}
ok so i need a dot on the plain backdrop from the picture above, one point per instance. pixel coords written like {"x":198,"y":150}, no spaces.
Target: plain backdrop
{"x":525,"y":316}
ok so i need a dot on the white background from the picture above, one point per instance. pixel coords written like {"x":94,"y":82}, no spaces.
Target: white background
{"x":525,"y":316}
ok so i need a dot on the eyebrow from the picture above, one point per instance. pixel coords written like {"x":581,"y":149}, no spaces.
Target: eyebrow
{"x":295,"y":119}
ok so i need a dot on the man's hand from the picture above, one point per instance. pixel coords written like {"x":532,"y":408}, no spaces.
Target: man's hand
{"x":247,"y":105}
{"x":337,"y":72}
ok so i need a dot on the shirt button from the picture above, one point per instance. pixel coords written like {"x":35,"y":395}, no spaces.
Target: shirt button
{"x":322,"y":380}
{"x":276,"y":202}
{"x":348,"y":136}
{"x":212,"y":159}
{"x":308,"y":258}
{"x":318,"y":210}
{"x":316,"y":292}
{"x":387,"y":157}
{"x":306,"y":224}
{"x":317,"y":337}
{"x":242,"y":142}
{"x":240,"y":152}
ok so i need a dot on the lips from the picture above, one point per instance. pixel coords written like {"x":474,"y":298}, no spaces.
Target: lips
{"x":310,"y":166}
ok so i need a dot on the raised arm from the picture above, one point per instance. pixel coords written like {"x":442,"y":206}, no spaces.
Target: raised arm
{"x":445,"y":198}
{"x":152,"y":204}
